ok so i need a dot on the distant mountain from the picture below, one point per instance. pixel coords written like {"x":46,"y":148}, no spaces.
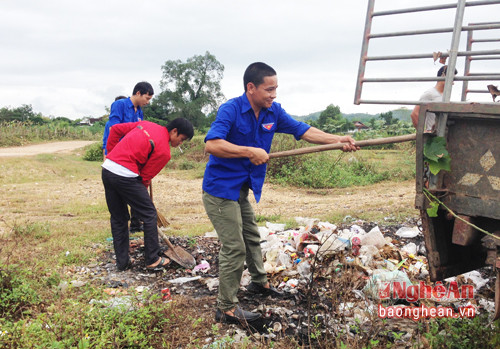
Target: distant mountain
{"x":401,"y":114}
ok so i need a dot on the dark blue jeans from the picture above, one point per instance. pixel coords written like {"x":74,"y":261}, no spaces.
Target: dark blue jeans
{"x":120,"y":192}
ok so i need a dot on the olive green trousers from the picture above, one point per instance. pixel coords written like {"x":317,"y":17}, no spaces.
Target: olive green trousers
{"x":236,"y":227}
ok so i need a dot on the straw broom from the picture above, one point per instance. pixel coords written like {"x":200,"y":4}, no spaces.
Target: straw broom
{"x":161,"y":220}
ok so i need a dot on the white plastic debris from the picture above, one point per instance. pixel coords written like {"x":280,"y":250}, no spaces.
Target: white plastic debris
{"x":274,"y":227}
{"x":367,"y":253}
{"x":77,"y":283}
{"x":410,"y":248}
{"x":476,"y":278}
{"x":311,"y":250}
{"x":407,"y":232}
{"x":332,"y":243}
{"x":213,"y":283}
{"x":379,"y":279}
{"x":304,"y":269}
{"x":292,"y":283}
{"x":123,"y":304}
{"x":183,"y":280}
{"x":374,"y":237}
{"x":246,"y":278}
{"x":140,"y":289}
{"x":327,"y":226}
{"x":264,"y":233}
{"x":307,"y":222}
{"x":211,"y":234}
{"x":284,"y":260}
{"x":356,"y":229}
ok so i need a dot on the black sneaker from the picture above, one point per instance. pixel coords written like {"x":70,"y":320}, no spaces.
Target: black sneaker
{"x":240,"y":316}
{"x":259,"y":289}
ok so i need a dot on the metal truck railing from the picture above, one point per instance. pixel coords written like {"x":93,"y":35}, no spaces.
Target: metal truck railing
{"x":452,"y":54}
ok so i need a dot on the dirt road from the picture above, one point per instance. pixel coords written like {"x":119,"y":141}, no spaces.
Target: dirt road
{"x":179,"y":198}
{"x":44,"y":148}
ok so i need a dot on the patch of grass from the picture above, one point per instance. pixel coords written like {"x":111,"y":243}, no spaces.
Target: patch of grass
{"x":466,"y":333}
{"x":272,"y":218}
{"x":34,"y":230}
{"x":334,"y":169}
{"x":17,"y":294}
{"x":83,"y":321}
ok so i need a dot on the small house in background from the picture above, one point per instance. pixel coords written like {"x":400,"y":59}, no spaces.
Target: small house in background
{"x":360,"y":126}
{"x":88,"y":121}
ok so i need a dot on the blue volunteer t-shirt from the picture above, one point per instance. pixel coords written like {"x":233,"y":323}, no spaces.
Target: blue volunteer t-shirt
{"x":121,"y":111}
{"x":236,"y":123}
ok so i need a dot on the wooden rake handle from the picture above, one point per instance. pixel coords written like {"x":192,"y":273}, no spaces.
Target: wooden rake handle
{"x":365,"y":143}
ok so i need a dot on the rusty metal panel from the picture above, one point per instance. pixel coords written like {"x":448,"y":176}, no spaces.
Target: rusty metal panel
{"x":471,"y":188}
{"x":474,"y":179}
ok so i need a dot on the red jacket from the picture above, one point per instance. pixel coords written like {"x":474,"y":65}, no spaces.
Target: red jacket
{"x":129,"y":145}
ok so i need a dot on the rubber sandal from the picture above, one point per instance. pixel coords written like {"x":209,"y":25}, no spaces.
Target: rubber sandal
{"x":160,"y":266}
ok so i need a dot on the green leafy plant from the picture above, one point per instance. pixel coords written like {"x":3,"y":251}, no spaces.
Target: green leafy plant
{"x":16,"y":292}
{"x":436,"y":155}
{"x":93,"y":152}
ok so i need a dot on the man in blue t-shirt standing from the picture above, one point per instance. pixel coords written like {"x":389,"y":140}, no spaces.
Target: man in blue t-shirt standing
{"x":239,"y":141}
{"x":129,"y":110}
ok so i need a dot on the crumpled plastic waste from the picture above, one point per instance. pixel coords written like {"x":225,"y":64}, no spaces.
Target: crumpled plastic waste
{"x":374,"y":237}
{"x":406,"y":232}
{"x":204,"y":266}
{"x":275,"y":227}
{"x":379,"y":279}
{"x":183,"y":280}
{"x":410,"y":248}
{"x":304,"y":239}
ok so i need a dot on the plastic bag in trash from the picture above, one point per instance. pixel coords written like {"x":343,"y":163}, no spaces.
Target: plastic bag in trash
{"x":374,"y":237}
{"x":380,"y":285}
{"x":406,"y":232}
{"x":304,"y":239}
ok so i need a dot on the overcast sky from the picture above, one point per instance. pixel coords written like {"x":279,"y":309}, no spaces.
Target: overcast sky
{"x":71,"y":58}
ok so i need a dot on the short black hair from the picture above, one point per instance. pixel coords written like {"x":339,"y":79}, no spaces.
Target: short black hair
{"x":442,"y":71}
{"x":144,"y":88}
{"x":120,"y":97}
{"x":183,"y":126}
{"x":256,"y":72}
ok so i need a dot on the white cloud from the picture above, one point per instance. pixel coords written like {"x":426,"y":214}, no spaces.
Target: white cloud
{"x":72,"y":58}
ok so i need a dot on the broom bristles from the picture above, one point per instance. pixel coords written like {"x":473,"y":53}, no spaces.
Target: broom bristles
{"x":161,"y":220}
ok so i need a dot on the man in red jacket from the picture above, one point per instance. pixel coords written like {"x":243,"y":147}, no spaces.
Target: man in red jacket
{"x":137,"y":152}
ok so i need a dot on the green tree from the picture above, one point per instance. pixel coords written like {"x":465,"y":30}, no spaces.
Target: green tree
{"x":189,"y":89}
{"x":22,"y":113}
{"x":332,"y":121}
{"x":332,"y":112}
{"x":388,"y":118}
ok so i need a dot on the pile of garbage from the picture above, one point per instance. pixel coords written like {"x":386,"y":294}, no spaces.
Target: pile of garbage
{"x":398,"y":256}
{"x":336,"y":279}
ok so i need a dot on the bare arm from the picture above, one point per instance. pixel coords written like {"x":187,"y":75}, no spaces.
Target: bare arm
{"x":414,"y":115}
{"x":225,"y":149}
{"x":316,"y":136}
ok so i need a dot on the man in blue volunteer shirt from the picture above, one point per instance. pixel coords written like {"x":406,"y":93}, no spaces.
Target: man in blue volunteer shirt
{"x":239,"y":141}
{"x":123,"y":110}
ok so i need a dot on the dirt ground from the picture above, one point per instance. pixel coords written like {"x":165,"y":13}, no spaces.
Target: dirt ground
{"x":179,"y":198}
{"x":54,"y":147}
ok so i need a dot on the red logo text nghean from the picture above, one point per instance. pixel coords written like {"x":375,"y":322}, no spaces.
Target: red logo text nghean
{"x":413,"y":293}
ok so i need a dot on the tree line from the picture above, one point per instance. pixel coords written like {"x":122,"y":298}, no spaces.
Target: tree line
{"x":192,"y":89}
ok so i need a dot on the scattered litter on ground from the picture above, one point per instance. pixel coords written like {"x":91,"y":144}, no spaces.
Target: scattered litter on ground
{"x":342,"y":270}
